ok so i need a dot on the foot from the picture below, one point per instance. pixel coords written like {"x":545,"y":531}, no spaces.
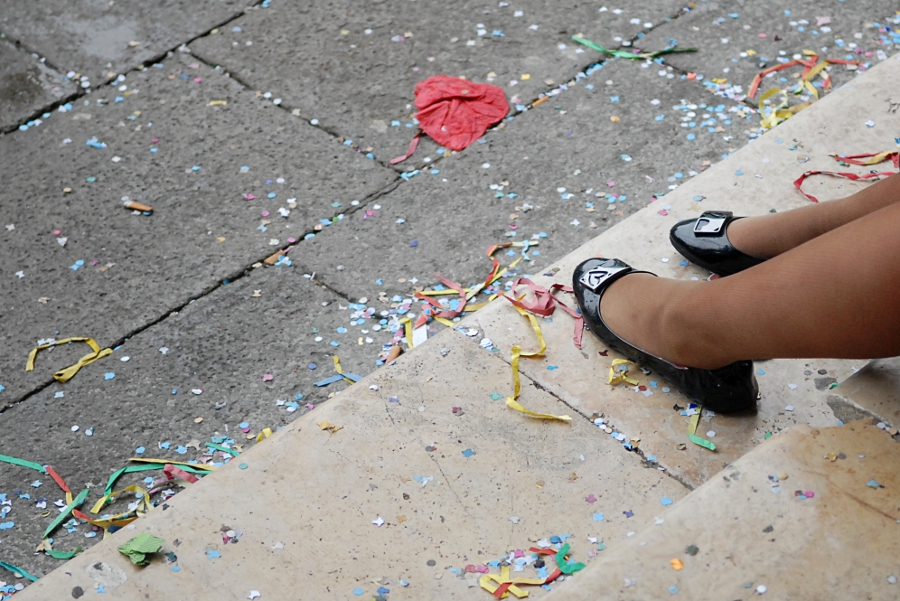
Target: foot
{"x":750,"y":236}
{"x":649,"y":313}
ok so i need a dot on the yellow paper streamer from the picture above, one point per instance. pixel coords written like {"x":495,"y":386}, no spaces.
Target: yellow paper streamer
{"x":511,"y":402}
{"x":619,"y":376}
{"x":487,"y":583}
{"x":132,"y":488}
{"x":337,"y":368}
{"x":64,"y":375}
{"x":267,"y":432}
{"x":407,"y":327}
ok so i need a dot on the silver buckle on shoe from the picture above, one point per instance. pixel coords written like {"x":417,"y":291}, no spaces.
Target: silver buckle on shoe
{"x":709,"y":226}
{"x":597,"y":276}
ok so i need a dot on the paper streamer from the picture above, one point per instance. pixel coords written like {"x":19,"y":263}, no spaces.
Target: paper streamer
{"x":23,"y":463}
{"x":18,"y":571}
{"x":512,"y":401}
{"x":59,"y":481}
{"x":501,"y":585}
{"x":873,"y":158}
{"x":626,"y":53}
{"x":563,"y":565}
{"x":64,"y":375}
{"x":65,"y":512}
{"x":133,"y":488}
{"x":618,"y":376}
{"x":692,"y":428}
{"x":173,"y":472}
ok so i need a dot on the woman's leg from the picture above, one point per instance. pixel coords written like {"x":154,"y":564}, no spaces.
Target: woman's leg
{"x":836,"y":296}
{"x":766,"y":236}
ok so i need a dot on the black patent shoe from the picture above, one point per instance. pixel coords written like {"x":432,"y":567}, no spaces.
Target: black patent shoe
{"x":704,"y":242}
{"x":728,"y":389}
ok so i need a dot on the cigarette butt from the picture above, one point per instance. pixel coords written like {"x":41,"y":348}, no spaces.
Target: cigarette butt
{"x":272,"y":259}
{"x":393,"y":353}
{"x":136,"y":206}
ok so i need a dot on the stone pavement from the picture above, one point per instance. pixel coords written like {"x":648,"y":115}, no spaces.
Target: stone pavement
{"x":251,"y":129}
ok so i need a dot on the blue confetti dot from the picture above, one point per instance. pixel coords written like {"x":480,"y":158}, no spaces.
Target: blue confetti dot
{"x":691,"y":137}
{"x":739,"y":172}
{"x":140,"y":450}
{"x":414,"y":243}
{"x":243,"y":466}
{"x":358,"y":592}
{"x":552,"y":367}
{"x":195,"y":168}
{"x":666,"y":501}
{"x":176,"y":569}
{"x":109,"y":375}
{"x":298,"y":396}
{"x":761,"y":372}
{"x":673,"y":590}
{"x":312,"y":366}
{"x":598,"y":517}
{"x":244,"y":425}
{"x":468,"y":453}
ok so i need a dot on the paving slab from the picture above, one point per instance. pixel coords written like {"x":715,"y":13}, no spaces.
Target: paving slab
{"x":737,"y":540}
{"x":353,"y":69}
{"x":99,"y":40}
{"x":444,"y":489}
{"x":875,"y":389}
{"x":558,"y":174}
{"x":79,"y":264}
{"x":27,"y":85}
{"x":755,"y":180}
{"x":736,"y":40}
{"x":241,"y":354}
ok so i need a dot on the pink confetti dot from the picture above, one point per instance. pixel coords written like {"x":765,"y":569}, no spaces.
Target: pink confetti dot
{"x":268,"y":377}
{"x":57,"y":232}
{"x":197,"y":80}
{"x":155,"y":140}
{"x":762,"y":35}
{"x":809,"y":494}
{"x":265,"y":213}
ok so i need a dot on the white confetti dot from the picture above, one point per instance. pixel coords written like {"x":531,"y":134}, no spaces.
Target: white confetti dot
{"x":711,"y":434}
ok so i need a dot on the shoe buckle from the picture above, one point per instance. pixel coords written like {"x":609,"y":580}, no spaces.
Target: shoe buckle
{"x":710,"y":226}
{"x":596,"y":277}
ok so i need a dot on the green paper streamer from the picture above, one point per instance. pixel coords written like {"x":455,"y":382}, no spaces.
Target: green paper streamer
{"x":627,"y":54}
{"x":128,"y":470}
{"x":17,"y":571}
{"x":62,"y":554}
{"x":706,"y":444}
{"x":65,"y":513}
{"x":217,"y":447}
{"x":561,"y":563}
{"x":23,"y":463}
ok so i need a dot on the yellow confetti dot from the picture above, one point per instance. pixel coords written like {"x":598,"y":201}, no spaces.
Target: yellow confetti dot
{"x":677,"y":564}
{"x":614,"y":119}
{"x":345,"y":32}
{"x":198,"y":420}
{"x":525,"y":76}
{"x":67,"y":190}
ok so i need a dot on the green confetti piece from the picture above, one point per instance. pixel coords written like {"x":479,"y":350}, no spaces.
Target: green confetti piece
{"x":563,"y":565}
{"x":219,"y":447}
{"x":17,"y":571}
{"x":706,"y":444}
{"x":65,"y":512}
{"x":627,"y":54}
{"x":23,"y":463}
{"x":138,"y":548}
